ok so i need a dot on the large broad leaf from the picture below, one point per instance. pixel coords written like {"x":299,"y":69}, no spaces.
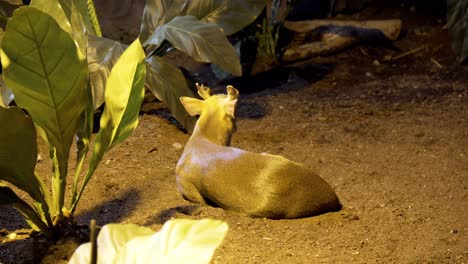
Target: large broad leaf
{"x":123,"y":96}
{"x":102,"y":55}
{"x":18,"y":154}
{"x":168,"y":84}
{"x":18,"y":151}
{"x":6,"y":96}
{"x":71,"y":16}
{"x":81,"y":6}
{"x":159,"y":12}
{"x":204,"y":42}
{"x":457,"y":21}
{"x":230,"y":15}
{"x":43,"y":68}
{"x":179,"y":241}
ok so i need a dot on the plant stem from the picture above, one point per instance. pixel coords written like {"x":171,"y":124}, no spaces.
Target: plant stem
{"x":58,"y":185}
{"x":93,"y":17}
{"x":94,"y":163}
{"x":93,"y":240}
{"x":79,"y":165}
{"x":45,"y":202}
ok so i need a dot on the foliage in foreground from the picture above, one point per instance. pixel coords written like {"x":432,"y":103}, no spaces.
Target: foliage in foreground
{"x":45,"y":67}
{"x":196,"y":27}
{"x":199,"y":29}
{"x":457,"y":21}
{"x":59,"y":69}
{"x":179,"y":241}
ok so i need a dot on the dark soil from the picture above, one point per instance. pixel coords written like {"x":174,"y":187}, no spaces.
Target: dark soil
{"x":390,"y":137}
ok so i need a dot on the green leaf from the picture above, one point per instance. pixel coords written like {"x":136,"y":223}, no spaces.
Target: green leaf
{"x":157,"y":13}
{"x":71,"y":16}
{"x":55,"y":10}
{"x":204,"y":42}
{"x":231,"y":16}
{"x":102,"y":55}
{"x":179,"y":241}
{"x":83,"y":139}
{"x":457,"y":21}
{"x":123,"y":96}
{"x":18,"y":155}
{"x":168,"y":84}
{"x":18,"y":152}
{"x":46,"y":74}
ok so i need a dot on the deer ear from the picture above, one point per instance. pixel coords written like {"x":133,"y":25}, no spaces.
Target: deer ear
{"x":230,"y":107}
{"x":192,"y":105}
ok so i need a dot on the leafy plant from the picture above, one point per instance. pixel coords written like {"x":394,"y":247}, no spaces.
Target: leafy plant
{"x":457,"y":21}
{"x":196,"y":27}
{"x":44,"y":64}
{"x":179,"y":241}
{"x":60,"y":70}
{"x":276,"y":13}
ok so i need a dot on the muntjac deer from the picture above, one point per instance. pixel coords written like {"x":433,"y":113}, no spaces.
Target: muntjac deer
{"x":257,"y":185}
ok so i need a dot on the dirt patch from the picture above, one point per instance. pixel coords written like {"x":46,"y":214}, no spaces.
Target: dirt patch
{"x":390,"y":137}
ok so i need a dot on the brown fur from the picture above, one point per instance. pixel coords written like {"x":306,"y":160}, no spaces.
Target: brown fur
{"x":258,"y":185}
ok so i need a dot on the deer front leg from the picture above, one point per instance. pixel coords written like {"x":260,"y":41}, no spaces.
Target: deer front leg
{"x":189,"y":191}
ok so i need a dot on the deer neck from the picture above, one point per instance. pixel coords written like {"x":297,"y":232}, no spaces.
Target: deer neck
{"x":214,"y":132}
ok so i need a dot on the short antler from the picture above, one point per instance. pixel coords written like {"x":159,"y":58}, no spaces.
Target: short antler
{"x":232,"y":92}
{"x":203,"y":91}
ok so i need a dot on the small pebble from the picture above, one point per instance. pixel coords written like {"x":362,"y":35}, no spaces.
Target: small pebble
{"x":177,"y":145}
{"x":376,"y":63}
{"x":39,"y":158}
{"x":12,"y":236}
{"x":368,"y":74}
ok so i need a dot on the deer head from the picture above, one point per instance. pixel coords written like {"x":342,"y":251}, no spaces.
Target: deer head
{"x":217,"y":113}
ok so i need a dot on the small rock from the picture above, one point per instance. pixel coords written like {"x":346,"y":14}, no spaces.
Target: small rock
{"x":321,"y":118}
{"x":39,"y":158}
{"x":368,"y":74}
{"x":177,"y":146}
{"x":281,"y":107}
{"x":108,"y":162}
{"x":153,"y":149}
{"x":376,"y":63}
{"x":12,"y":236}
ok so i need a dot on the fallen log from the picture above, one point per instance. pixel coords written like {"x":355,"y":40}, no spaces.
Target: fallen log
{"x":321,"y":37}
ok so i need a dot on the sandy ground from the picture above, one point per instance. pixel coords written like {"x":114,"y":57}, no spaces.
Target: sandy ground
{"x":391,"y":139}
